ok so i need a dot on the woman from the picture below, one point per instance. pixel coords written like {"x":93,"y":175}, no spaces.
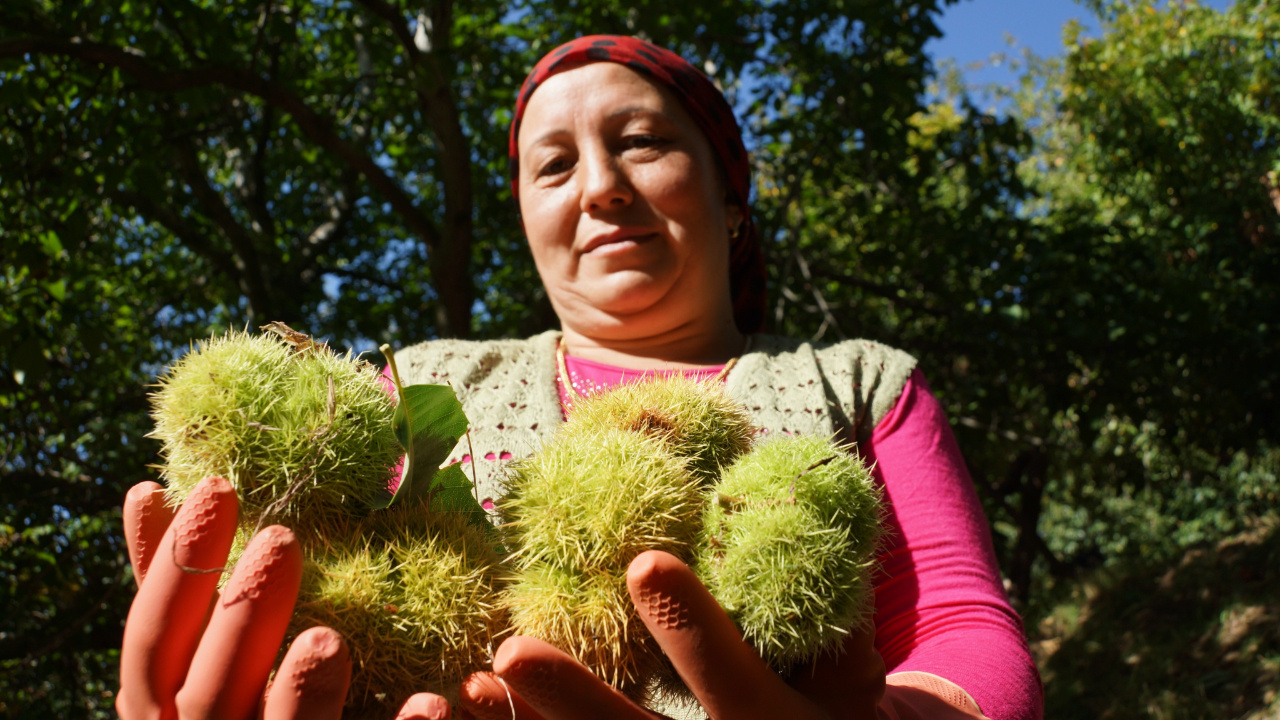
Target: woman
{"x":633,"y":187}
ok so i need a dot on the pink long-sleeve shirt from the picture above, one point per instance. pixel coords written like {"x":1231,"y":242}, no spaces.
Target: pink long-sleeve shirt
{"x":940,"y":604}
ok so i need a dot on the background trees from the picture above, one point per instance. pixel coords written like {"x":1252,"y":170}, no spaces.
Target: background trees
{"x":1088,"y":277}
{"x":1156,"y":216}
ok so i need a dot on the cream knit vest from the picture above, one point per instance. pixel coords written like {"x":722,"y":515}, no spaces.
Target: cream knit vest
{"x":508,"y":389}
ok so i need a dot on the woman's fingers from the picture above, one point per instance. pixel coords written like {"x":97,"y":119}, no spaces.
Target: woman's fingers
{"x":485,"y":697}
{"x":169,"y":611}
{"x":424,"y":706}
{"x":313,"y":678}
{"x":727,"y":675}
{"x":240,"y":644}
{"x":557,"y":686}
{"x":146,"y":517}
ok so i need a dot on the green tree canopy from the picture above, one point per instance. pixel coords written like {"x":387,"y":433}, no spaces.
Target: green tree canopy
{"x":1153,"y":284}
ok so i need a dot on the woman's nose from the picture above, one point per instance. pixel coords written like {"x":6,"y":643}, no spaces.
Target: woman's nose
{"x":604,"y":184}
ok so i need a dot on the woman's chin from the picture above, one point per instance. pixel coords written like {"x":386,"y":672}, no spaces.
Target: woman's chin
{"x":627,"y":292}
{"x":625,"y":309}
{"x":621,"y":301}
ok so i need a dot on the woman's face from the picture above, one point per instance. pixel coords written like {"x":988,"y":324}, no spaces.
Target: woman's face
{"x":622,"y":203}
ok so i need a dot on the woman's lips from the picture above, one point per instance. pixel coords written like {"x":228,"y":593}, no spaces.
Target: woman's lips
{"x":616,"y":242}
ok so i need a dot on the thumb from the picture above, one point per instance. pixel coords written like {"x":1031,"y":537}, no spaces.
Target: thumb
{"x":718,"y":666}
{"x":146,"y":517}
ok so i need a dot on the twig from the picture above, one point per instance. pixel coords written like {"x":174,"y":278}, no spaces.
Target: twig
{"x":806,"y":471}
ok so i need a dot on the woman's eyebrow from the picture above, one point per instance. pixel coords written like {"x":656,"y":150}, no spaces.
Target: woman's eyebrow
{"x":547,"y":136}
{"x":635,"y":110}
{"x":622,"y":112}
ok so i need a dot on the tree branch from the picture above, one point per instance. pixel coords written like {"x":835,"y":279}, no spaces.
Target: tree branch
{"x":828,"y":318}
{"x":316,"y":127}
{"x":396,"y":21}
{"x":341,"y":206}
{"x":362,"y":275}
{"x":793,"y":235}
{"x":187,"y":233}
{"x":256,"y":177}
{"x":263,"y":18}
{"x":889,"y":292}
{"x":246,"y":249}
{"x":450,"y":262}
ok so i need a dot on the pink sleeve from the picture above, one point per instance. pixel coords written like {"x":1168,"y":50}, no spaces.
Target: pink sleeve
{"x":940,"y":604}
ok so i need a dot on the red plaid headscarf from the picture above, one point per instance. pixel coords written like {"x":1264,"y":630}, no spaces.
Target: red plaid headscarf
{"x":708,"y":108}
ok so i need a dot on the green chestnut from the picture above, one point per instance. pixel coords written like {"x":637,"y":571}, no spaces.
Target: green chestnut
{"x":579,"y":511}
{"x":696,"y":420}
{"x":302,"y":433}
{"x":789,"y":542}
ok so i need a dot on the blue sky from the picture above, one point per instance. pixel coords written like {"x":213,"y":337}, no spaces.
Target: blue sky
{"x":974,"y":29}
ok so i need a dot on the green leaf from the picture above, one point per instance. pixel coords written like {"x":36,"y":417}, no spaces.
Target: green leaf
{"x":57,"y":289}
{"x":452,"y":491}
{"x":428,"y":423}
{"x":52,"y":245}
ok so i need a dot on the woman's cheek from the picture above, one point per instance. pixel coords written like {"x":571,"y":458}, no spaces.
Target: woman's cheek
{"x":546,"y":216}
{"x":685,"y":189}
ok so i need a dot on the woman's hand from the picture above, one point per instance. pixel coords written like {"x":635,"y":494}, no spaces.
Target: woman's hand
{"x":190,"y":652}
{"x":723,"y":672}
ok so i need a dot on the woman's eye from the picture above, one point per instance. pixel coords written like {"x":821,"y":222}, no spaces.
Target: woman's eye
{"x":555,"y":167}
{"x":643,"y":141}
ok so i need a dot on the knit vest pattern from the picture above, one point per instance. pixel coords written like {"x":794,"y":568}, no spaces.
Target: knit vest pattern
{"x":508,"y":390}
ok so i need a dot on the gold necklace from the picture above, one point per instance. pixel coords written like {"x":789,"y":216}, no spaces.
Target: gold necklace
{"x":573,"y":393}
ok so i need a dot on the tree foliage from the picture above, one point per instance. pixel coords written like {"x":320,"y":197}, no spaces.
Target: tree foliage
{"x":1088,"y":279}
{"x":1158,"y":214}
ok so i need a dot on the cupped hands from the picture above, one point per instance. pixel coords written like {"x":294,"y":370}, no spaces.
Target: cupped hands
{"x":193,"y":652}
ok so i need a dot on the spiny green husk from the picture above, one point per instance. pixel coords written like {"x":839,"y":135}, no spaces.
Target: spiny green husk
{"x":304,"y":435}
{"x":696,"y":420}
{"x":788,"y":544}
{"x":414,"y":593}
{"x":579,"y":511}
